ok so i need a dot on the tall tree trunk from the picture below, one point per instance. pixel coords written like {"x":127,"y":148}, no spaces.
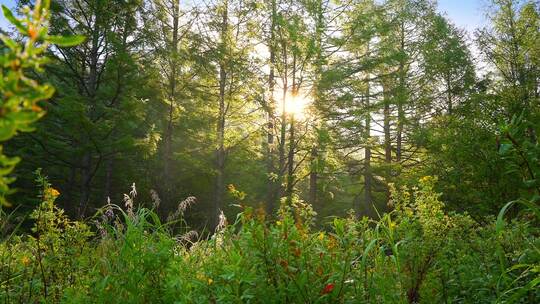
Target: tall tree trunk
{"x":386,"y":129}
{"x":449,"y":94}
{"x":292,"y":144}
{"x":367,"y":149}
{"x":220,"y":153}
{"x":85,"y":184}
{"x":70,"y":187}
{"x":314,"y":157}
{"x":314,"y":176}
{"x":86,"y":161}
{"x":290,"y":161}
{"x":270,"y":165}
{"x":402,"y":95}
{"x":283,"y":127}
{"x":387,"y":138}
{"x":166,"y":192}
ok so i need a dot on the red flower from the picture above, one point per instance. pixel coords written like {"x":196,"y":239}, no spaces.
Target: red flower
{"x":328,"y":288}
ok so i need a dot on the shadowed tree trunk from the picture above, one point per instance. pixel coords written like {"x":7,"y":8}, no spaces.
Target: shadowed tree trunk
{"x":220,"y":152}
{"x":166,"y":182}
{"x":270,"y":162}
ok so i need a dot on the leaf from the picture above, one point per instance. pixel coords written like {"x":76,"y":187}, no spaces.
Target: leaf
{"x":9,"y":42}
{"x":367,"y":250}
{"x":7,"y":129}
{"x":499,"y":224}
{"x":11,"y":18}
{"x":66,"y":41}
{"x":23,"y":117}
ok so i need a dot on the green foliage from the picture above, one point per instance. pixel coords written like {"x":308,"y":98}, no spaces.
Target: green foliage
{"x":417,"y":253}
{"x":20,"y":92}
{"x":186,"y":99}
{"x":521,"y":150}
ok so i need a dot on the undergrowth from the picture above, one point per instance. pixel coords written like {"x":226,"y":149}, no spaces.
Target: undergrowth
{"x":417,"y":253}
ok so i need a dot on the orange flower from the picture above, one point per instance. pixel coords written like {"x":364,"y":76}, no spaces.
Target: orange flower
{"x":32,"y":32}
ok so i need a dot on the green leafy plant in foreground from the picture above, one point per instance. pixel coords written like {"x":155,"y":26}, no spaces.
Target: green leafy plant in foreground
{"x":521,"y":150}
{"x":417,"y":253}
{"x":20,"y":93}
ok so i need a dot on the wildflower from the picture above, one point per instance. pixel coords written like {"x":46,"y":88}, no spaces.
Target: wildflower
{"x":25,"y":261}
{"x":321,"y":236}
{"x":53,"y":192}
{"x":210,"y":281}
{"x":425,"y":178}
{"x":109,"y":213}
{"x":101,"y":229}
{"x":278,"y":223}
{"x":328,"y":288}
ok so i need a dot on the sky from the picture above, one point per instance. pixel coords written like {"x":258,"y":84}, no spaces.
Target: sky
{"x":466,"y":14}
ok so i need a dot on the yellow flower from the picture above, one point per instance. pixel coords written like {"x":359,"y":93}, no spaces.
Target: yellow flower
{"x":321,"y":236}
{"x":278,"y":223}
{"x":210,"y":281}
{"x":426,"y":179}
{"x":25,"y":261}
{"x":53,"y":192}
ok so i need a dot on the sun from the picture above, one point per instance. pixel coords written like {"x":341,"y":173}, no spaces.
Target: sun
{"x":296,"y":105}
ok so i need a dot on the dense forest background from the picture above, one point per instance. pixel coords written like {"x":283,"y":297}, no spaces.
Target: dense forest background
{"x":261,"y":101}
{"x":299,"y":151}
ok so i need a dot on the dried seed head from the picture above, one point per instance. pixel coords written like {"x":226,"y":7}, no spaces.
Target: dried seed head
{"x":186,"y":203}
{"x":133,"y":192}
{"x":128,"y":203}
{"x":155,"y":198}
{"x":182,"y":206}
{"x":222,"y":221}
{"x":190,"y":237}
